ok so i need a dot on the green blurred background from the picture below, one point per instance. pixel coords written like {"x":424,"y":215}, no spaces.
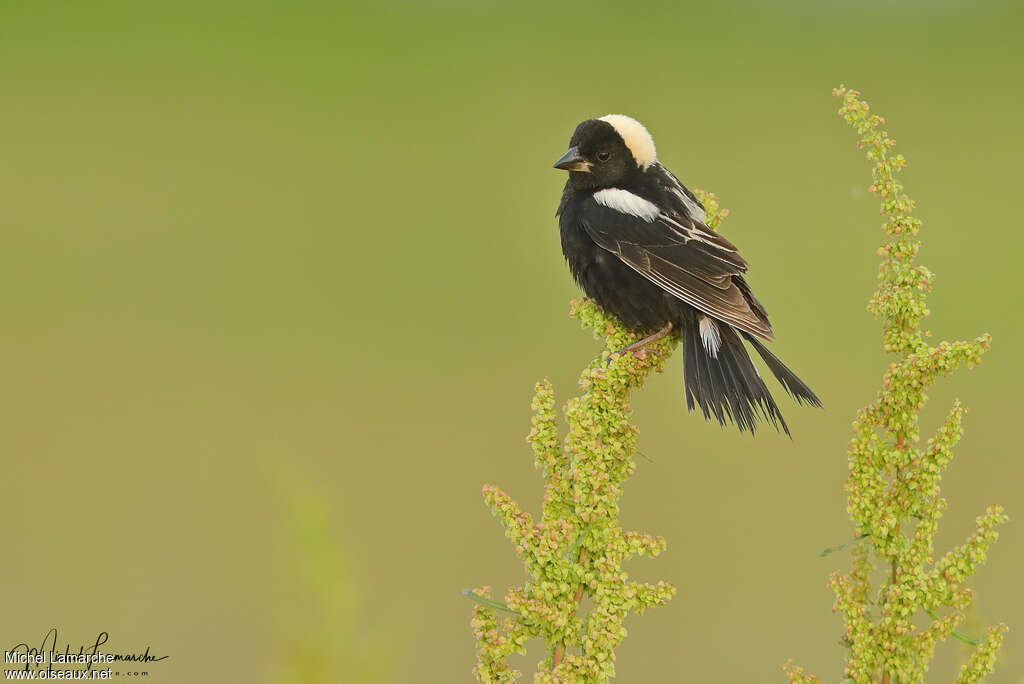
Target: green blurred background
{"x":253,"y":243}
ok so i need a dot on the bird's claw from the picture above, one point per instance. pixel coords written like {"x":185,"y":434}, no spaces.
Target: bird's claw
{"x":640,"y":354}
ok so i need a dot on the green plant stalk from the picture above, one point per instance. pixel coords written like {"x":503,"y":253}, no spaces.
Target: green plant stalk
{"x":894,"y":499}
{"x":578,"y":546}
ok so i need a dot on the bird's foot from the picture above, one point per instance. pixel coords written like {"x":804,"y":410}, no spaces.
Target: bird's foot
{"x":638,"y":348}
{"x":641,"y":354}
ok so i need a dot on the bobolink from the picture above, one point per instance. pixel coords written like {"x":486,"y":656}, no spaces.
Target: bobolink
{"x":636,"y":242}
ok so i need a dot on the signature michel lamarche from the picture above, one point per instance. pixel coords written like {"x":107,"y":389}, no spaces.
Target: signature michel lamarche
{"x":49,"y":653}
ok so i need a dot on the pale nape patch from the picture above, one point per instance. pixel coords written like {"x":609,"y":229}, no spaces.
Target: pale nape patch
{"x":625,"y":202}
{"x":636,"y":137}
{"x":710,"y":336}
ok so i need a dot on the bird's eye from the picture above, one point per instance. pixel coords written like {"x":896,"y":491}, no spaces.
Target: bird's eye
{"x":604,"y":156}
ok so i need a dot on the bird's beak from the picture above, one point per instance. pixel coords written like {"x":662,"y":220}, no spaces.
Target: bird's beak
{"x":573,"y":161}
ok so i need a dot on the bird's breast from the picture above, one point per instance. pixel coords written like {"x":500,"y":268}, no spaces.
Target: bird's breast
{"x":604,"y":277}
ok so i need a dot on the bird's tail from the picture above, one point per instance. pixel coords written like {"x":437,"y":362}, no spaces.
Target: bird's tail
{"x":722,"y":380}
{"x":794,"y":385}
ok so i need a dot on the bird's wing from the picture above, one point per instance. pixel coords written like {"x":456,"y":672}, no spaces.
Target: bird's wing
{"x":680,"y":198}
{"x":679,"y":254}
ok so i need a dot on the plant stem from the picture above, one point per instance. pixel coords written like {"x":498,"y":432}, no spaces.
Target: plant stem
{"x":892,"y":561}
{"x":560,"y":648}
{"x":487,"y":602}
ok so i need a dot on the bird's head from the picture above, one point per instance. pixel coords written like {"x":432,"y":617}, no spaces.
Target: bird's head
{"x":605,"y":152}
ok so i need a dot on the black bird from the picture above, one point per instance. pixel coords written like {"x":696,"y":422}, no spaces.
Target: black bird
{"x":636,"y":242}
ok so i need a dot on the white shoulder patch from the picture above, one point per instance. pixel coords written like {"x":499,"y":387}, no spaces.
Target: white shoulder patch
{"x":625,"y":202}
{"x":710,"y":336}
{"x":636,"y":137}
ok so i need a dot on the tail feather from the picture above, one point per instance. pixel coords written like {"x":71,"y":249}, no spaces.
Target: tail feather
{"x":691,"y":370}
{"x":787,"y":378}
{"x":698,"y":379}
{"x":736,"y":386}
{"x":724,"y":382}
{"x":722,"y":385}
{"x":739,"y":359}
